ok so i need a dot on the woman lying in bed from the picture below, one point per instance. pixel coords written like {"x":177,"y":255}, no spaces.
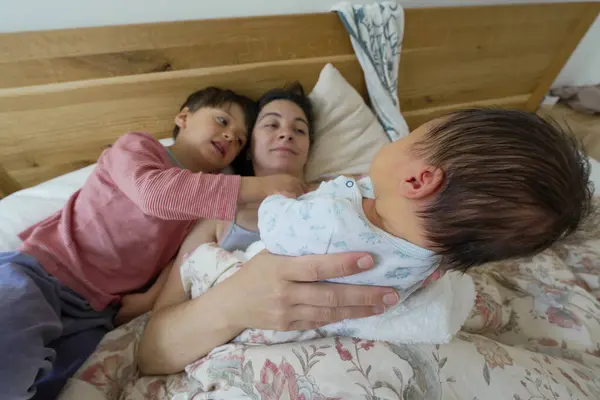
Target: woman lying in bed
{"x":268,"y":287}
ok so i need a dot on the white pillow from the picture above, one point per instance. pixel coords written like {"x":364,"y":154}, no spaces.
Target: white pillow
{"x":24,"y":208}
{"x":347,"y":133}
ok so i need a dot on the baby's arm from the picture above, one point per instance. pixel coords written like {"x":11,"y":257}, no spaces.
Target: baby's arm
{"x":296,"y":227}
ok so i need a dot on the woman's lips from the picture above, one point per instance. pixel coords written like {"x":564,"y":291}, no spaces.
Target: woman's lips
{"x":285,"y":150}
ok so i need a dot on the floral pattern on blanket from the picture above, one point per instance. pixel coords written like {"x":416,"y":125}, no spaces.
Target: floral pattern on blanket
{"x":534,"y":333}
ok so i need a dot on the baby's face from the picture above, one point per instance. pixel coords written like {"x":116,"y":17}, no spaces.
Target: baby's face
{"x":397,"y":162}
{"x":402,"y":179}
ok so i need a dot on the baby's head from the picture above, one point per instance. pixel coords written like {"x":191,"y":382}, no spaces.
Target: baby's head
{"x":483,"y":185}
{"x":214,"y":124}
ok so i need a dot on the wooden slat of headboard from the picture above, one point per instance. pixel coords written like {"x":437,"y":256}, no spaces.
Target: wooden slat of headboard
{"x":8,"y":184}
{"x":33,"y":58}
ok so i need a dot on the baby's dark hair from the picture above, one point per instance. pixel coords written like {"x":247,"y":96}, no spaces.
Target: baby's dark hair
{"x":514,"y":184}
{"x":293,"y":92}
{"x":216,"y":97}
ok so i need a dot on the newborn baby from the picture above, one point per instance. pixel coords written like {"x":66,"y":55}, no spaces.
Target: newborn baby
{"x":476,"y":186}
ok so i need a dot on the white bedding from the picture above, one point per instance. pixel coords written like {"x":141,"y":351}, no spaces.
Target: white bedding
{"x":22,"y":209}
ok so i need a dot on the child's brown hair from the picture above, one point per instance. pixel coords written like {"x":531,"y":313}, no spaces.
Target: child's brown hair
{"x":514,"y":184}
{"x":216,"y":97}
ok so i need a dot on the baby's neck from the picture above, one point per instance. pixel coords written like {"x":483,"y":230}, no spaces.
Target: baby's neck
{"x":407,"y":227}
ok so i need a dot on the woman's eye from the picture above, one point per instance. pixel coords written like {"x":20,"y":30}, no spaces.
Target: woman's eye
{"x":300,"y":131}
{"x":221,"y":121}
{"x":272,"y":126}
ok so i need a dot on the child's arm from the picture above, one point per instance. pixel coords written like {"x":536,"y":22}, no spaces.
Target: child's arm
{"x":135,"y":304}
{"x":137,"y":165}
{"x":295,"y":227}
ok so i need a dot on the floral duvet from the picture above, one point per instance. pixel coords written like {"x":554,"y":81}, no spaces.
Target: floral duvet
{"x":534,"y":333}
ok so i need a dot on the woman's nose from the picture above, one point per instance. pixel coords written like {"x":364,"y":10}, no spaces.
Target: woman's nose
{"x":285,"y":134}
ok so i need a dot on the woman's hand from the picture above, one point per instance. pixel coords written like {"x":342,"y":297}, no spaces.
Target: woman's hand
{"x":268,"y":292}
{"x":285,"y":293}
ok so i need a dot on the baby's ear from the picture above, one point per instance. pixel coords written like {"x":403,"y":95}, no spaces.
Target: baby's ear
{"x":181,"y":117}
{"x":423,"y":182}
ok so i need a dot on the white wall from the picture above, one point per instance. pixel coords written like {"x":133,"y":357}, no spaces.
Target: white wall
{"x":23,"y":15}
{"x":583,"y":68}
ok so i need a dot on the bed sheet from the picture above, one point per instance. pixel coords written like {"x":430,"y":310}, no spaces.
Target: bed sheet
{"x":534,"y":333}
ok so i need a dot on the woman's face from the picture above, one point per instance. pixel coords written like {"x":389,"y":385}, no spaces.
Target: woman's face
{"x":280,"y":140}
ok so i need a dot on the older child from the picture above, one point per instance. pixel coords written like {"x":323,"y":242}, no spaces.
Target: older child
{"x":59,"y":292}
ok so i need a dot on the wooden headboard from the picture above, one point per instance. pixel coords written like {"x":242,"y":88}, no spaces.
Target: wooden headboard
{"x":67,"y":94}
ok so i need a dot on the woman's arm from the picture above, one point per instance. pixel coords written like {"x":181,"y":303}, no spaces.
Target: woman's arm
{"x":268,"y":292}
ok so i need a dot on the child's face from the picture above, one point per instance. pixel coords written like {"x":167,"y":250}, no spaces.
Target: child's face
{"x":214,"y":136}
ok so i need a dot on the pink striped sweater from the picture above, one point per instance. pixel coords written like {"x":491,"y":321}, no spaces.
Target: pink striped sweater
{"x":127,"y":221}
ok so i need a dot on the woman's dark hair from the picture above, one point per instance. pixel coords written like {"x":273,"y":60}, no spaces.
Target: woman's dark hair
{"x":216,"y":97}
{"x":293,"y":92}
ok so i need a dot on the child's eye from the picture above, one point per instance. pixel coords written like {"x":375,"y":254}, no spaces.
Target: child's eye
{"x":300,"y":131}
{"x":272,"y":126}
{"x":221,"y":121}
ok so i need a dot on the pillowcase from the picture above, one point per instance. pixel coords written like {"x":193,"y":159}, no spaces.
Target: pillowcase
{"x":347,"y":133}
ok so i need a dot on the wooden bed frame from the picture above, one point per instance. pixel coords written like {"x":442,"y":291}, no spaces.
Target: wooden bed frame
{"x":67,"y":94}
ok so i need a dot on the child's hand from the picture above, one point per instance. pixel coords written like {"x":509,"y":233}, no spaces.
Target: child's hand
{"x":132,"y":306}
{"x":256,"y":189}
{"x":289,"y":195}
{"x":136,"y":304}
